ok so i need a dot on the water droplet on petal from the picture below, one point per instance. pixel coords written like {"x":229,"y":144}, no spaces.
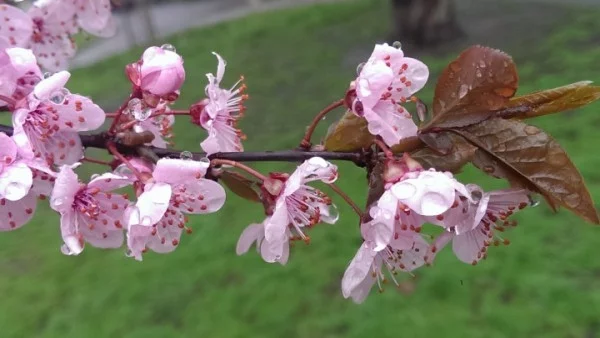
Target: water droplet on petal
{"x":359,"y":68}
{"x":478,"y":73}
{"x":128,"y":253}
{"x":65,"y":250}
{"x":94,"y":176}
{"x":123,"y":170}
{"x":186,"y":155}
{"x":404,"y":190}
{"x":397,"y":44}
{"x":59,"y":96}
{"x":47,"y":74}
{"x":169,"y":47}
{"x":146,"y":220}
{"x":433,"y":203}
{"x":133,"y":105}
{"x":462,"y":91}
{"x":277,"y":258}
{"x":15,"y":191}
{"x":318,"y":162}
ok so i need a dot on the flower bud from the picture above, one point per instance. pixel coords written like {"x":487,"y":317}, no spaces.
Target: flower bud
{"x":161,"y":71}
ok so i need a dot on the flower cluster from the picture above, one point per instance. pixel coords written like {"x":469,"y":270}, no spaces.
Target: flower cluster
{"x":47,"y":28}
{"x":143,"y":200}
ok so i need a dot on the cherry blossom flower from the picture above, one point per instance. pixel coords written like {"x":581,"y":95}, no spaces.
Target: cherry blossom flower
{"x":51,"y":119}
{"x":387,"y":79}
{"x":17,"y":198}
{"x":412,"y":197}
{"x":471,"y":225}
{"x":255,"y":233}
{"x":90,"y":212}
{"x":19,"y":73}
{"x":219,"y":113}
{"x":159,"y":73}
{"x":177,"y":188}
{"x":296,"y":206}
{"x":406,"y":252}
{"x":94,"y":17}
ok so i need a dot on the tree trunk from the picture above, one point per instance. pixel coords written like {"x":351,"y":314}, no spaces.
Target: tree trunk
{"x":425,"y":22}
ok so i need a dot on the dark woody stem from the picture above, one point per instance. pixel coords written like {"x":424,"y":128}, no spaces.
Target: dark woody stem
{"x":305,"y":143}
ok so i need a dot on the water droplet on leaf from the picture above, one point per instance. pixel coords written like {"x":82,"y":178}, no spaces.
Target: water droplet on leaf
{"x":462,"y":91}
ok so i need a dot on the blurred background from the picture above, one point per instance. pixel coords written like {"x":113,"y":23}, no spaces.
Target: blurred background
{"x":297,"y":57}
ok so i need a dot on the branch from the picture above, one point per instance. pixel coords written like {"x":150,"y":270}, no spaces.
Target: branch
{"x":100,"y":141}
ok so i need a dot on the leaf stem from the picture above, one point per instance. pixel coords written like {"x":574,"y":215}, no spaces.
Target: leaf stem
{"x":347,"y":199}
{"x":240,"y":166}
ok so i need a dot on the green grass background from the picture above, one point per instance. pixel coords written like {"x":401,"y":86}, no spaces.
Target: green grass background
{"x":545,"y":284}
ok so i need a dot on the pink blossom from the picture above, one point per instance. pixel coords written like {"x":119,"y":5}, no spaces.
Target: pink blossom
{"x":177,"y":188}
{"x":16,"y":28}
{"x":21,"y":180}
{"x":405,"y":252}
{"x":386,"y":80}
{"x":219,"y":113}
{"x":51,"y":119}
{"x":255,"y":233}
{"x":19,"y":73}
{"x":473,"y":224}
{"x":160,"y":72}
{"x":89,"y":212}
{"x":296,"y":206}
{"x":94,"y":17}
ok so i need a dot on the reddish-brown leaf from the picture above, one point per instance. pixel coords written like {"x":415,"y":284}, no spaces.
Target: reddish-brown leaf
{"x":458,"y":154}
{"x":240,"y":185}
{"x":480,"y":81}
{"x":349,"y":133}
{"x":555,"y":100}
{"x":528,"y":157}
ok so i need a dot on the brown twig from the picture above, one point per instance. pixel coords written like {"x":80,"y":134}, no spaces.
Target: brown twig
{"x":240,"y":166}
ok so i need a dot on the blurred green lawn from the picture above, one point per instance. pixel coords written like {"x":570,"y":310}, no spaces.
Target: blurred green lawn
{"x":546,"y":283}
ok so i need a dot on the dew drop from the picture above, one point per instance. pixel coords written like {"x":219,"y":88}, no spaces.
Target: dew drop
{"x":169,"y":47}
{"x":95,"y":176}
{"x":333,"y":214}
{"x":133,"y":105}
{"x":58,"y":201}
{"x":397,"y":44}
{"x":123,"y":170}
{"x":128,"y":253}
{"x":142,"y":114}
{"x":462,"y":91}
{"x":186,"y":155}
{"x":277,"y":257}
{"x":482,"y":64}
{"x":478,"y":73}
{"x":359,"y":68}
{"x":404,"y":190}
{"x":572,"y":200}
{"x":205,"y":161}
{"x":47,"y":74}
{"x":59,"y":96}
{"x":533,"y":202}
{"x":65,"y":250}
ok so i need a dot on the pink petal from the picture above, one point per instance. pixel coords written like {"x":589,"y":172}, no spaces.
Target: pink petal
{"x":222,"y":137}
{"x":8,"y":150}
{"x":220,"y":67}
{"x":151,"y":204}
{"x":93,"y":16}
{"x":109,"y":181}
{"x":383,"y":51}
{"x":386,"y":121}
{"x":276,"y":225}
{"x":253,"y":233}
{"x":80,"y":112}
{"x":200,"y":197}
{"x":56,"y":17}
{"x":68,"y":228}
{"x":162,"y":71}
{"x":64,"y":147}
{"x":175,"y":171}
{"x":432,"y":193}
{"x":414,"y":252}
{"x":372,"y":82}
{"x":16,"y":27}
{"x":277,"y":251}
{"x":65,"y":188}
{"x":45,"y":88}
{"x":15,"y":181}
{"x":438,"y":244}
{"x":470,"y":247}
{"x":167,"y":236}
{"x":137,"y":238}
{"x":358,"y":271}
{"x":14,"y":214}
{"x":417,"y":74}
{"x":53,"y":52}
